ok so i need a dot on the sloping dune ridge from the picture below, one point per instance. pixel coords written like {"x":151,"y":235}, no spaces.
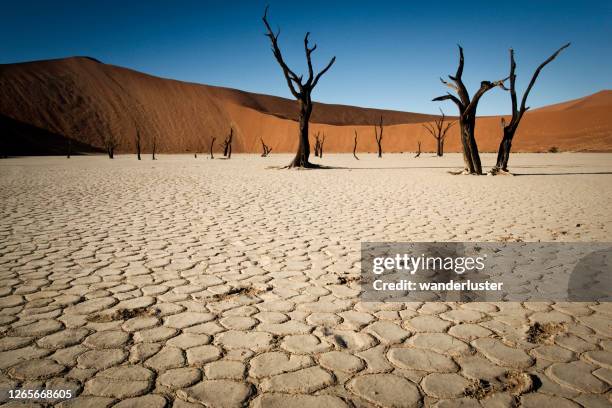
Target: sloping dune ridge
{"x":45,"y":103}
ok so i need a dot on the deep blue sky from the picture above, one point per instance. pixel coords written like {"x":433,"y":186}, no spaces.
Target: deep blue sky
{"x":389,"y":54}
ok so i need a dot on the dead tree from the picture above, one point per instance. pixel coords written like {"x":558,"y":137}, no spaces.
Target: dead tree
{"x":227,"y":144}
{"x":438,"y":131}
{"x":418,"y":153}
{"x":212,"y":143}
{"x":110,"y":144}
{"x":69,"y":149}
{"x":154,"y":147}
{"x":301,"y":91}
{"x":317,"y":145}
{"x":467,"y":114}
{"x":503,"y":154}
{"x":321,"y":146}
{"x":138,"y":143}
{"x":225,"y":147}
{"x":266,"y":149}
{"x":379,"y":136}
{"x":355,"y":147}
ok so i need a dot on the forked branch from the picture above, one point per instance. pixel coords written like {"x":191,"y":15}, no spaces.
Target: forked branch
{"x":293,"y":80}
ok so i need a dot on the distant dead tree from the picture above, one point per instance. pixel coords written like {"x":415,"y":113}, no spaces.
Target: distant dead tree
{"x":318,"y":147}
{"x":503,"y":154}
{"x":355,"y":147}
{"x":302,"y":93}
{"x":418,"y":153}
{"x":321,"y":146}
{"x":467,"y":113}
{"x":438,"y":131}
{"x":212,"y":143}
{"x":227,"y":144}
{"x":266,"y":149}
{"x":317,"y":144}
{"x":110,"y":144}
{"x":69,"y":152}
{"x":154,"y":143}
{"x":138,"y":143}
{"x":379,"y":136}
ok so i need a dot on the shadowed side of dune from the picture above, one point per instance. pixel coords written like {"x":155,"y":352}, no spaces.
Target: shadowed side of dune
{"x":24,"y":139}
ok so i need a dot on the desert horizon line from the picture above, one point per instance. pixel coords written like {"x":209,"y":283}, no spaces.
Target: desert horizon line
{"x":450,"y":116}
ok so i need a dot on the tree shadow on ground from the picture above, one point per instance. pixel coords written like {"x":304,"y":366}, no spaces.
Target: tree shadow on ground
{"x":564,"y":174}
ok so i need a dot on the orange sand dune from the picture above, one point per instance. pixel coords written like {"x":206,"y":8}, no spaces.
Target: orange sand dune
{"x":43,"y":103}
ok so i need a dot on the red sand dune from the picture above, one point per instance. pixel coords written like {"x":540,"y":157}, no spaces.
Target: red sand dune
{"x":44,"y":102}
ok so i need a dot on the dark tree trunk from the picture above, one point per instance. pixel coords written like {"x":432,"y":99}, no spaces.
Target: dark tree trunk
{"x":418,"y":150}
{"x":503,"y":154}
{"x":355,"y":147}
{"x":138,"y":144}
{"x":471,"y":156}
{"x":154,"y":148}
{"x":321,"y":147}
{"x":303,"y":152}
{"x":227,"y":145}
{"x":440,"y":148}
{"x":212,"y":143}
{"x":379,"y":136}
{"x":265,"y":149}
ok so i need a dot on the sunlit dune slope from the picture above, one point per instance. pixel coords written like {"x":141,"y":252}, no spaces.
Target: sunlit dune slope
{"x":45,"y":103}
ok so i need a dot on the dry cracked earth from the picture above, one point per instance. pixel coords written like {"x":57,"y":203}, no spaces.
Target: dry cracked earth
{"x":192,"y":282}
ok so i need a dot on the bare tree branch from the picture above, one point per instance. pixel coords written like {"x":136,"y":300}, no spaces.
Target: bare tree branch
{"x":308,"y":59}
{"x":462,"y":90}
{"x":290,"y":76}
{"x":535,"y":76}
{"x":449,"y":97}
{"x":320,"y":74}
{"x":455,"y":87}
{"x":484,"y":87}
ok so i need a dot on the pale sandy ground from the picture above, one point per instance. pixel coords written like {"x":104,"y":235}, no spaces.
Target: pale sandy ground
{"x":190,"y":281}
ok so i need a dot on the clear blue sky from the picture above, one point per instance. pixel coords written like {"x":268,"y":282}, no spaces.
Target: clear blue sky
{"x":389,"y":54}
